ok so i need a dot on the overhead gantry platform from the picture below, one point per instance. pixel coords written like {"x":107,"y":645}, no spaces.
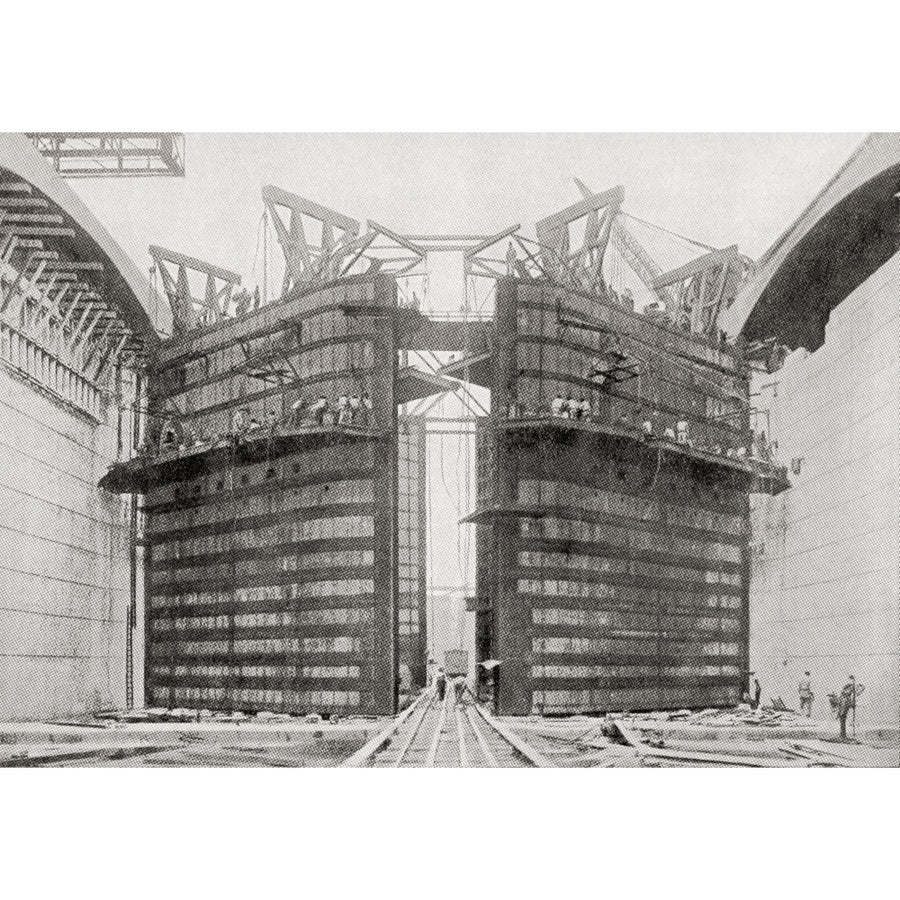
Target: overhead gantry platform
{"x":107,"y":154}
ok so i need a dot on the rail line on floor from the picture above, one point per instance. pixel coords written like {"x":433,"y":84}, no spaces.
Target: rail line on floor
{"x":446,"y":733}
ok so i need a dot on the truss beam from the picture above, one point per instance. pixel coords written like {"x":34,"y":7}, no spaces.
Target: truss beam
{"x":306,"y":262}
{"x":583,"y":267}
{"x":113,"y":154}
{"x":216,"y":299}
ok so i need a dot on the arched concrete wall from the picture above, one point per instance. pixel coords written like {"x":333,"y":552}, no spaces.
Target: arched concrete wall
{"x":127,"y":285}
{"x":845,"y":234}
{"x":65,"y":554}
{"x":824,"y":554}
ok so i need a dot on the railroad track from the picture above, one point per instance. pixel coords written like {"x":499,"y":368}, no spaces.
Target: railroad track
{"x":446,"y":734}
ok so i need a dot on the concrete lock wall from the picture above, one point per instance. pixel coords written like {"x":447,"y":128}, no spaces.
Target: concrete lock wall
{"x":824,"y":554}
{"x":64,"y":559}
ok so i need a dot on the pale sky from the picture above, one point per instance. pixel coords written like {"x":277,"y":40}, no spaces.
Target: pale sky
{"x":719,"y":189}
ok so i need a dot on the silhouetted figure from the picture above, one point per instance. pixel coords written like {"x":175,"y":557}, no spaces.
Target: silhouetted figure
{"x":846,"y":702}
{"x":806,"y":695}
{"x":510,"y":259}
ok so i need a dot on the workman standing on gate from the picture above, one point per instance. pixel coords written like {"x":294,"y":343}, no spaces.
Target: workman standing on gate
{"x":440,"y":684}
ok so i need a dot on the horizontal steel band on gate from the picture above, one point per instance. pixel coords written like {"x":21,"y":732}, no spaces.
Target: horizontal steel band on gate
{"x":297,"y":642}
{"x":621,"y":622}
{"x":295,"y":670}
{"x":235,"y":682}
{"x":533,"y":569}
{"x":598,"y":649}
{"x":263,"y":579}
{"x":183,"y":479}
{"x":531,"y":469}
{"x":232,"y":606}
{"x":286,"y":648}
{"x":552,"y":701}
{"x":585,"y":512}
{"x":254,"y":569}
{"x":624,"y":651}
{"x":670,"y":364}
{"x":585,"y":612}
{"x":262,"y":658}
{"x":594,"y":648}
{"x":591,"y":588}
{"x":297,"y":539}
{"x":275,"y":700}
{"x":647,"y":667}
{"x":263,"y":632}
{"x":350,"y":373}
{"x":278,"y":391}
{"x":268,"y":551}
{"x":289,"y":619}
{"x":167,"y":553}
{"x":595,"y":683}
{"x":604,"y":550}
{"x":631,"y":534}
{"x":549,"y":301}
{"x":627,"y":507}
{"x":286,"y":518}
{"x":239,"y":369}
{"x":226,"y":523}
{"x":578,"y":515}
{"x":226,"y":496}
{"x":284,"y":484}
{"x":721,"y":386}
{"x":641,"y":582}
{"x":692,"y":635}
{"x":627,"y":463}
{"x":221,"y":339}
{"x":617,"y":651}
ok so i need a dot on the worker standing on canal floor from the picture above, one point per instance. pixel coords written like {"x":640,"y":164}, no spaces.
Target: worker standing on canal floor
{"x":846,"y":702}
{"x":806,"y":695}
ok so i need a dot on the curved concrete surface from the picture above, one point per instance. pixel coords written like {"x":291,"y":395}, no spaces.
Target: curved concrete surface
{"x":126,"y":285}
{"x":845,"y":234}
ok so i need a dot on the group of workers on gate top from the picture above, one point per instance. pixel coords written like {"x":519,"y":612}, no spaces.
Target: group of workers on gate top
{"x":569,"y":408}
{"x":347,"y":409}
{"x":353,"y":409}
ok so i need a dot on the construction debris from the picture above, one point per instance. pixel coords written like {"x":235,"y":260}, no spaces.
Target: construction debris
{"x":739,"y":736}
{"x":777,"y":714}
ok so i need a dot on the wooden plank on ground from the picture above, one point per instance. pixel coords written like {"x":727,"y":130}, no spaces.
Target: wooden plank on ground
{"x":532,"y":755}
{"x":361,"y":757}
{"x":100,"y":754}
{"x":719,"y":759}
{"x":629,"y":736}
